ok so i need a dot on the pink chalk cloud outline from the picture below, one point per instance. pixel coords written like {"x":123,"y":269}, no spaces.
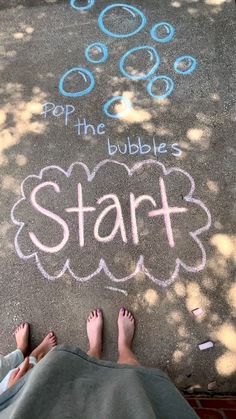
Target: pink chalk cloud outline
{"x":102,"y":266}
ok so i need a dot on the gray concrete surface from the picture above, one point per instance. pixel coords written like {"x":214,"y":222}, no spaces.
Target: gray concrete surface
{"x":40,"y":40}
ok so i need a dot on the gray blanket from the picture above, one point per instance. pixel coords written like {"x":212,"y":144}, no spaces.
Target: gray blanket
{"x":67,"y":384}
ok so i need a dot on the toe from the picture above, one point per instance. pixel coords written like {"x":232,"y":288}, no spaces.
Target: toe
{"x":99,"y":312}
{"x":122,"y":311}
{"x":126,"y":313}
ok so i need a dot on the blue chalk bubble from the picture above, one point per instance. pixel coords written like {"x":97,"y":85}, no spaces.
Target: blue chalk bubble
{"x":168,"y":88}
{"x":101,"y":49}
{"x":170,"y":30}
{"x":192,"y":64}
{"x":87,"y":76}
{"x":89,"y":5}
{"x":113,"y":100}
{"x":154,"y":57}
{"x":133,"y":11}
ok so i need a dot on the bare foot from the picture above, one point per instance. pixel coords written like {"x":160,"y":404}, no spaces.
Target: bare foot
{"x":22,"y":338}
{"x":94,"y":332}
{"x":45,"y":346}
{"x":125,"y":329}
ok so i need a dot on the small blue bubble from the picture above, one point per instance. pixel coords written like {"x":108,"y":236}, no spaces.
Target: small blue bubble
{"x":169,"y":86}
{"x":87,"y":77}
{"x":170,"y":30}
{"x":133,"y":11}
{"x":117,"y":99}
{"x":100,"y":49}
{"x":154,"y":58}
{"x":89,"y":5}
{"x":191,"y":64}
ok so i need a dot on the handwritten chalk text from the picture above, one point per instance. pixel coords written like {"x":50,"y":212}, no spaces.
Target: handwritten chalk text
{"x":113,"y":219}
{"x":65,"y":112}
{"x":139,"y":147}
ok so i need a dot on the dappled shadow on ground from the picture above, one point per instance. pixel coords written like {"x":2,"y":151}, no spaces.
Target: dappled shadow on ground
{"x":199,"y":116}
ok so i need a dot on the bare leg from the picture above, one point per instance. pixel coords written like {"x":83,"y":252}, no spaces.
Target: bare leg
{"x":125,"y":336}
{"x":94,"y":332}
{"x":45,"y":346}
{"x":22,"y":338}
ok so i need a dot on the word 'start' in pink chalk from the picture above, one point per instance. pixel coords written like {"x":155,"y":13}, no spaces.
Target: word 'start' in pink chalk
{"x":78,"y":221}
{"x":206,"y":345}
{"x":197,"y":312}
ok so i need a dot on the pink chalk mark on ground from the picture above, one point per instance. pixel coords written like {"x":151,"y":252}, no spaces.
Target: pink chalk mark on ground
{"x":166,"y":211}
{"x":197,"y":312}
{"x":102,"y":266}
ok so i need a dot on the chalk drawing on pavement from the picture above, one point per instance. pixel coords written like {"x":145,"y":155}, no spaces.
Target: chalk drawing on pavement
{"x":169,"y":32}
{"x":86,"y":79}
{"x":133,"y":14}
{"x":168,"y":87}
{"x":153,"y":58}
{"x":185,"y":65}
{"x":139,"y":63}
{"x":95,"y":219}
{"x":80,"y":8}
{"x":96,"y":53}
{"x":124,"y":102}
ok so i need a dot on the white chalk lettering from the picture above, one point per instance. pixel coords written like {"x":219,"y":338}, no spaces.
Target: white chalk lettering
{"x":84,"y":128}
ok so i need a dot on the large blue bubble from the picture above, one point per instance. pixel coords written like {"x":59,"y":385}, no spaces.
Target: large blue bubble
{"x":100,"y":49}
{"x":170,"y":32}
{"x":154,"y":58}
{"x":189,"y":61}
{"x":133,"y":11}
{"x":88,"y":6}
{"x":87,"y":77}
{"x":169,"y":86}
{"x":117,"y":99}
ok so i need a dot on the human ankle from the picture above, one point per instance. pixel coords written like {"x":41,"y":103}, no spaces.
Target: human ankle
{"x":95,"y":353}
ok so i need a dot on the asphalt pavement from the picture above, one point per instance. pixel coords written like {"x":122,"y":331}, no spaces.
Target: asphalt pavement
{"x":117,"y":132}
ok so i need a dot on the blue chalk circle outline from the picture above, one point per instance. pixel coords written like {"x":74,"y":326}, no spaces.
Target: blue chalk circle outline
{"x":192,"y":64}
{"x":103,"y":49}
{"x":84,"y":72}
{"x":170,"y":32}
{"x":82,"y":8}
{"x":169,"y":87}
{"x":131,"y":51}
{"x":116,"y":99}
{"x":131,"y":9}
